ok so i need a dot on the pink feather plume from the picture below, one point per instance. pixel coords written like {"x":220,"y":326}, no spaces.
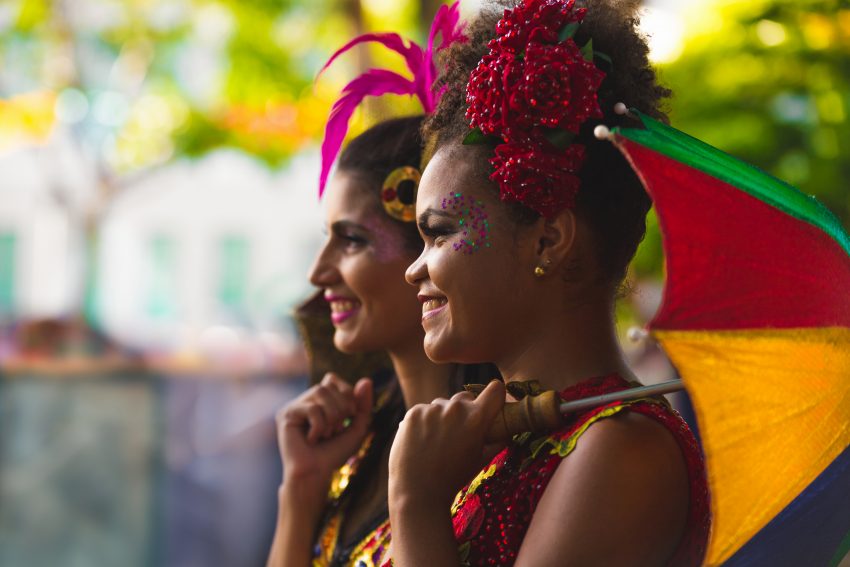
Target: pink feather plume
{"x":374,"y":82}
{"x":377,"y":82}
{"x":446,"y":23}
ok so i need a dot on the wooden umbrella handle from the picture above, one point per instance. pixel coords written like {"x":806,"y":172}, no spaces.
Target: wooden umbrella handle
{"x":538,"y":414}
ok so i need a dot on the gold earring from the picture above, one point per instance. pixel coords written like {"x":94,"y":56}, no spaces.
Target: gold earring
{"x":540,"y":271}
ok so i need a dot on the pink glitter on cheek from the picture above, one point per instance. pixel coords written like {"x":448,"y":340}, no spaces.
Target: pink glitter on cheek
{"x":386,"y":242}
{"x":472,"y":220}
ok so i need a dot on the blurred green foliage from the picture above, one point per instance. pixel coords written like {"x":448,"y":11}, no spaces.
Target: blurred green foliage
{"x":765,"y":80}
{"x":769,"y":82}
{"x":218,"y":72}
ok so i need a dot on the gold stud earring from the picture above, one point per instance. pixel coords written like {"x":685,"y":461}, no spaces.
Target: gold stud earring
{"x":540,"y":271}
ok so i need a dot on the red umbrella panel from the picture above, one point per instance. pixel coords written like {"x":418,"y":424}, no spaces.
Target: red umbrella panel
{"x":756,"y":319}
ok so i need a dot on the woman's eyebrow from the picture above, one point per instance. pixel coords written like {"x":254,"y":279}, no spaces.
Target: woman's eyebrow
{"x":344,"y":225}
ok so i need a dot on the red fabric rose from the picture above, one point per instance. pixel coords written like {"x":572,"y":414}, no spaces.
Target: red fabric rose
{"x":468,"y":519}
{"x":557,"y":89}
{"x":546,"y":17}
{"x":538,"y":175}
{"x":486,"y":99}
{"x":529,"y":83}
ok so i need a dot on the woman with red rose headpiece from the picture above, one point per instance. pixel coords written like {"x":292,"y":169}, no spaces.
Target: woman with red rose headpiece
{"x":334,"y":439}
{"x":529,"y":224}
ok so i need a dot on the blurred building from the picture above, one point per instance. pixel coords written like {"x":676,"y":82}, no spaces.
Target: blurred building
{"x":192,"y":255}
{"x":117,"y":443}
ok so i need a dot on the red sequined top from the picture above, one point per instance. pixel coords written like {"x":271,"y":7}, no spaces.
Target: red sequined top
{"x":491,"y":515}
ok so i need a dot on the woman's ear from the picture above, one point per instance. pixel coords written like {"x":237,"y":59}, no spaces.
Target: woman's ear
{"x":557,"y":238}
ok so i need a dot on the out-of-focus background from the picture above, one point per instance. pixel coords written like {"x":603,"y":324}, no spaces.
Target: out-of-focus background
{"x":158,"y":214}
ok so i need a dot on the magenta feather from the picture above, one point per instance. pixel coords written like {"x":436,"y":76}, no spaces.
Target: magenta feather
{"x":447,"y":24}
{"x":412,"y":53}
{"x":374,"y":82}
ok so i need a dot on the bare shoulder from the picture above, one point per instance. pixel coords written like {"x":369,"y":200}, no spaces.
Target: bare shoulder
{"x":633,"y":442}
{"x":620,"y":498}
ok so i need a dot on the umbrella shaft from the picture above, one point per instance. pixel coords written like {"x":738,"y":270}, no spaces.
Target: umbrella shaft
{"x":544,"y":412}
{"x":623,"y":395}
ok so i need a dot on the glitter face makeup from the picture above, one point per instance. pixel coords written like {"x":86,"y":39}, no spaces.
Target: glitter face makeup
{"x":473,"y":222}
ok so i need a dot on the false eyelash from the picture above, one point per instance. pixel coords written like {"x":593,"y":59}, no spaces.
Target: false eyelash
{"x":435,"y":231}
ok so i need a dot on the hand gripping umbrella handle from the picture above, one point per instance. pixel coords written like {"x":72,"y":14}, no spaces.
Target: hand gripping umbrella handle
{"x":544,"y":412}
{"x":532,"y":413}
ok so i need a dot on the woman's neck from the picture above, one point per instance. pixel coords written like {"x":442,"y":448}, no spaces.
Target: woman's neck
{"x":421,"y":380}
{"x":567,"y":346}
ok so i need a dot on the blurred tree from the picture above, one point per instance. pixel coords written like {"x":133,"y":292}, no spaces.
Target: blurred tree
{"x":135,"y":83}
{"x":767,"y":81}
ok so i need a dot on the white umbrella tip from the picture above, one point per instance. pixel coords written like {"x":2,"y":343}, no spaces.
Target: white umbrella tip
{"x":602,"y":132}
{"x":636,"y":334}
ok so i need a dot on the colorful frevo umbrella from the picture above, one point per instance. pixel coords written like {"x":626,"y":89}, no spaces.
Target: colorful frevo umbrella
{"x":756,"y":319}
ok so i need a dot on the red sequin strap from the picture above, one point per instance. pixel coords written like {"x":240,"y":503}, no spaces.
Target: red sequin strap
{"x":491,"y":515}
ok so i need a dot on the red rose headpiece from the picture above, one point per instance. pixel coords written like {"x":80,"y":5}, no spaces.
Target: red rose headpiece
{"x":531,"y":93}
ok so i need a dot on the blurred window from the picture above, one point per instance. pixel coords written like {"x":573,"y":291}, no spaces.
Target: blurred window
{"x":233,"y":255}
{"x":162,"y":285}
{"x":8,"y":242}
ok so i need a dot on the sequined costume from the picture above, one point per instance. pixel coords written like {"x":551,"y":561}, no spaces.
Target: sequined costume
{"x":370,"y":544}
{"x":491,"y":515}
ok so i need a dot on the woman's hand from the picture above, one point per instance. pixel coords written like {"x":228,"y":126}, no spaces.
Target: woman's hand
{"x":440,"y":446}
{"x":314,"y":441}
{"x":322,"y":428}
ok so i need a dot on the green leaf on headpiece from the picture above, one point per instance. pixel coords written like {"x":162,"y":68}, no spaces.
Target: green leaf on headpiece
{"x":476,"y":137}
{"x":561,"y":139}
{"x":587,"y":51}
{"x":568,"y":31}
{"x":605,"y":58}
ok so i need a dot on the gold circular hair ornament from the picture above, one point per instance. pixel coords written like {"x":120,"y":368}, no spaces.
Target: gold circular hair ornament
{"x":398,"y":194}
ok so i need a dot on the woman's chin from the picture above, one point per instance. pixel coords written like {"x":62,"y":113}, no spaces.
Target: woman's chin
{"x":346,"y":342}
{"x":443,"y":349}
{"x":439,"y":349}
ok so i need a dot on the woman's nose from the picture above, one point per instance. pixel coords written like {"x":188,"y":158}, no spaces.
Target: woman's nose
{"x":417,"y":271}
{"x":324,"y":272}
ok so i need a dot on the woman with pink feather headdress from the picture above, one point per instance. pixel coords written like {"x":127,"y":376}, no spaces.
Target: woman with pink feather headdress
{"x":335,"y":438}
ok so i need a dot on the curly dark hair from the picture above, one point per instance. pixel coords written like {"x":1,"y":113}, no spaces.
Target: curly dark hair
{"x":375,"y":153}
{"x":612,"y":199}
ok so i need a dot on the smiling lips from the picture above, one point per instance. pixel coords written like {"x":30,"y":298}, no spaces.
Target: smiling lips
{"x":342,"y":308}
{"x":432,"y":305}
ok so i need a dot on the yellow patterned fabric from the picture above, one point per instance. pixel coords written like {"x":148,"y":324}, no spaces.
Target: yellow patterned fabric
{"x":565,"y":446}
{"x":342,"y":476}
{"x":372,"y":547}
{"x":373,"y":550}
{"x":752,"y":479}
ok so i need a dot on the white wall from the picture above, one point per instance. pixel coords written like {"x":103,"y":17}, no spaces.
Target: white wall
{"x":48,"y":271}
{"x":195,"y":202}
